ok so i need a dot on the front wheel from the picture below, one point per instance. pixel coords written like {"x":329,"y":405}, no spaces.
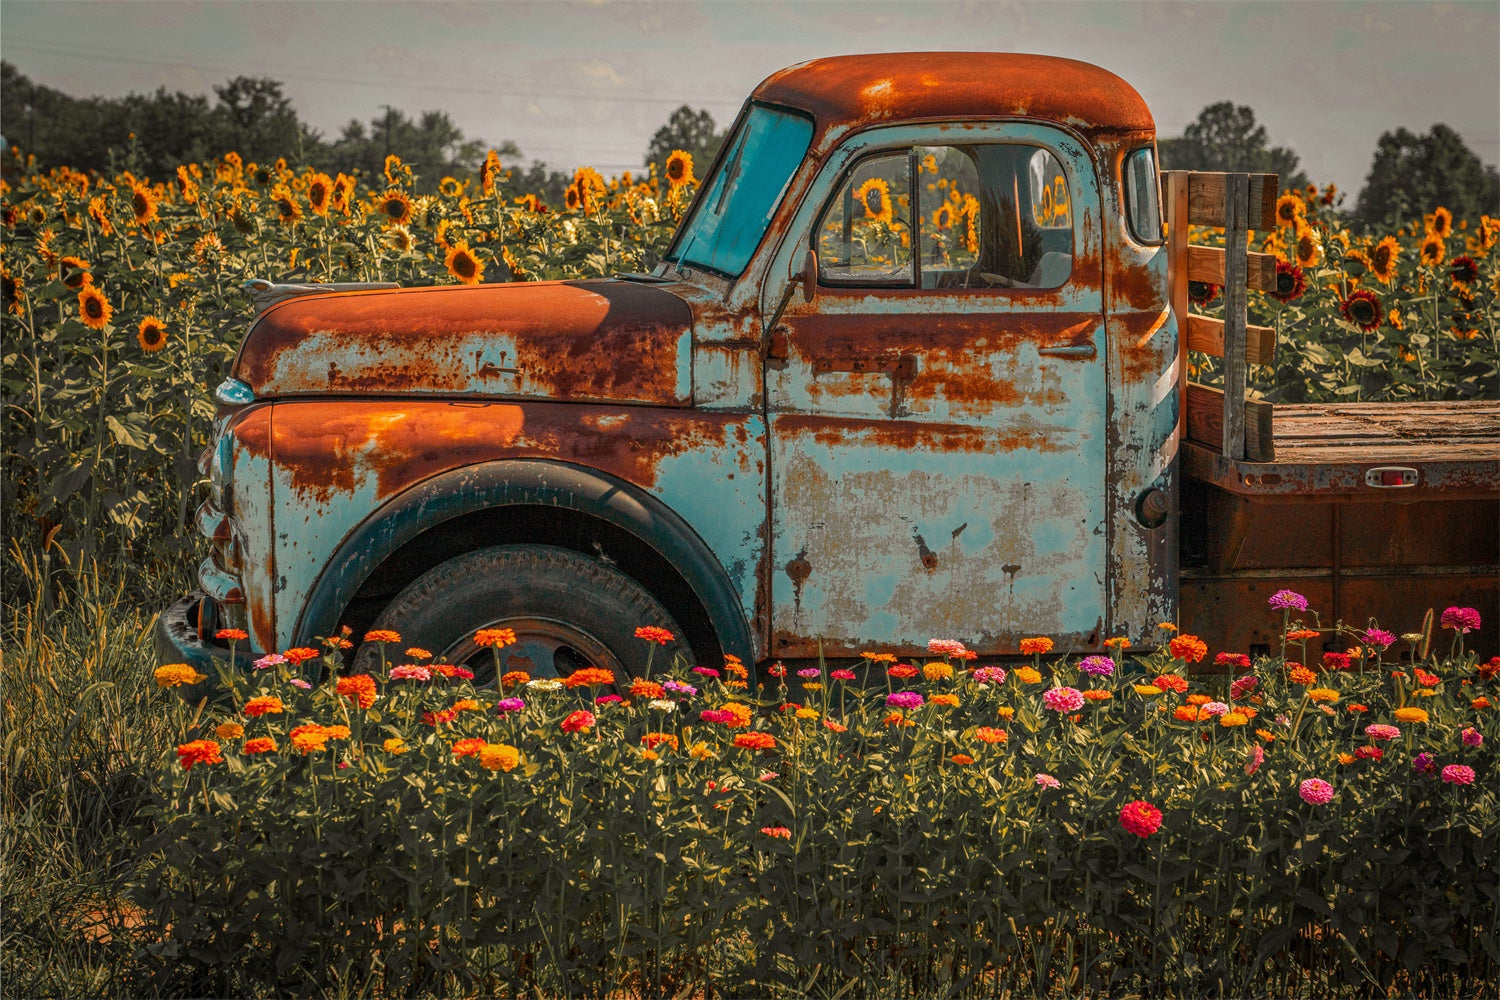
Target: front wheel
{"x":567,"y":610}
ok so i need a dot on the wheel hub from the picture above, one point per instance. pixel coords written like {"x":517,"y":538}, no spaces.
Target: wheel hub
{"x":544,"y":647}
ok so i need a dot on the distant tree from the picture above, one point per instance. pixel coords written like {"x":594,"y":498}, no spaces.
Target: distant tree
{"x":1412,"y":174}
{"x":256,"y":120}
{"x":1225,"y":137}
{"x":690,"y":131}
{"x":431,"y":144}
{"x":538,"y":179}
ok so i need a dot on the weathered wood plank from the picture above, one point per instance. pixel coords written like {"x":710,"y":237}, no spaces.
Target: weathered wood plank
{"x":1236,"y":233}
{"x":1206,"y":198}
{"x":1206,"y":334}
{"x":1205,"y":422}
{"x":1207,"y":264}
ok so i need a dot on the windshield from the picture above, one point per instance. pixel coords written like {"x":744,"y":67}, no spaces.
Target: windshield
{"x":736,"y":204}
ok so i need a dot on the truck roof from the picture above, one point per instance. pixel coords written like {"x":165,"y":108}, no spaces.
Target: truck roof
{"x":863,"y":90}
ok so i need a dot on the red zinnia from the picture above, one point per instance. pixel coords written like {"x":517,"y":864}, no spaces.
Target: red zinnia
{"x":652,"y":633}
{"x":755,"y":741}
{"x":578,"y":721}
{"x":1140,"y":818}
{"x":299,"y":654}
{"x":198,"y":752}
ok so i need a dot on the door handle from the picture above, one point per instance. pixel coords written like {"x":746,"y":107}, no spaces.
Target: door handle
{"x":1081,"y":351}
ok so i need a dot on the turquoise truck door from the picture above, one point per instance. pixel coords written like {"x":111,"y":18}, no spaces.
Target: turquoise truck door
{"x":937,"y":412}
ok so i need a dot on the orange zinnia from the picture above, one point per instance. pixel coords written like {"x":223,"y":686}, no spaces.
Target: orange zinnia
{"x":755,"y":741}
{"x":358,"y":688}
{"x":1188,"y":648}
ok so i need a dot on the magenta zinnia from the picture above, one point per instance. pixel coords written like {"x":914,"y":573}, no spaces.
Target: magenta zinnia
{"x":1315,"y":791}
{"x":1458,"y":774}
{"x":1462,"y":619}
{"x":1063,"y":699}
{"x":1140,"y":818}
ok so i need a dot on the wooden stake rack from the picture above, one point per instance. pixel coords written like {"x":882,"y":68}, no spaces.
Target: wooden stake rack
{"x":1239,"y":428}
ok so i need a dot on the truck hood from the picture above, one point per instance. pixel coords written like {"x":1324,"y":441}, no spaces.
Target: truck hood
{"x":603,"y":340}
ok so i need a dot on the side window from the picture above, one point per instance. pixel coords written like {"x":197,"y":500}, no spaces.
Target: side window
{"x":865,"y":234}
{"x":993,"y":216}
{"x":1142,"y":196}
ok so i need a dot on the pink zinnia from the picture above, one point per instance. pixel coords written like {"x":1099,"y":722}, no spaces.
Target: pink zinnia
{"x":1140,"y":818}
{"x":1315,"y":791}
{"x":1099,"y":666}
{"x":945,"y":647}
{"x":604,"y":699}
{"x":990,"y":675}
{"x":410,"y":671}
{"x":269,"y":660}
{"x":578,"y":721}
{"x":1256,"y":757}
{"x":1047,"y":781}
{"x":298,"y":682}
{"x":904,"y":699}
{"x":1458,"y":774}
{"x":841,"y":674}
{"x":1472,"y":737}
{"x":1243,"y":686}
{"x":1463,"y":619}
{"x":719,"y":715}
{"x":809,"y":672}
{"x":1215,"y":708}
{"x":1287,"y":599}
{"x":1378,"y":637}
{"x":1063,"y":699}
{"x":1381,"y":731}
{"x":1232,"y":660}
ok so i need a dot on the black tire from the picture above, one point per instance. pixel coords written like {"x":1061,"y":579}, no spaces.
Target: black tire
{"x":567,"y":610}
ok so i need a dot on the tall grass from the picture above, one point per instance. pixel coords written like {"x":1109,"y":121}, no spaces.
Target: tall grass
{"x":81,"y":729}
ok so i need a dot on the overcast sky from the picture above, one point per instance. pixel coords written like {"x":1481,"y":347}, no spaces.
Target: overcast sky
{"x":588,"y":82}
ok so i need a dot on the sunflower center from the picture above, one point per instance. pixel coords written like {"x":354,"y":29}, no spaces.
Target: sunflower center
{"x":93,"y":308}
{"x":1362,"y":311}
{"x":464,"y":265}
{"x":1285,"y":283}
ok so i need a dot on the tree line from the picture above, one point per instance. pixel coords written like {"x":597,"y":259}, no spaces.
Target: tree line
{"x":1409,"y":173}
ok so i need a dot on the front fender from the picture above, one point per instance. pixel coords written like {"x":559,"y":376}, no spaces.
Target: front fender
{"x":530,"y":482}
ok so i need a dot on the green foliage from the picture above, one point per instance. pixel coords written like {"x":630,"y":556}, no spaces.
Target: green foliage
{"x":693,"y":132}
{"x":1225,"y":136}
{"x":1411,"y":172}
{"x":888,"y":847}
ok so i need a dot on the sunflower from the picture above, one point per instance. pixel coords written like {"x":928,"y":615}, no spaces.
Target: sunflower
{"x":530,"y":203}
{"x":12,"y":293}
{"x":1202,"y":293}
{"x":451,"y":187}
{"x":1356,"y":263}
{"x":463,"y":264}
{"x":75,"y":272}
{"x":591,"y":187}
{"x":1290,"y":282}
{"x":143,"y":203}
{"x":942,"y":218}
{"x":1433,"y":251}
{"x":970,"y":213}
{"x":1362,"y":308}
{"x":319,"y":193}
{"x":207,"y":249}
{"x":1440,"y":222}
{"x":572,"y":198}
{"x":489,"y":172}
{"x":1488,"y":233}
{"x":1329,"y":194}
{"x":288,"y":211}
{"x":1464,"y":270}
{"x":680,"y":168}
{"x":343,"y":191}
{"x":399,"y":239}
{"x":36,"y":214}
{"x":1396,"y":319}
{"x":93,"y":308}
{"x":393,"y":166}
{"x":152,"y":334}
{"x":1308,"y":246}
{"x":875,"y":195}
{"x":186,"y":186}
{"x":1290,"y":210}
{"x":1383,"y":257}
{"x":396,"y":207}
{"x":261,"y":176}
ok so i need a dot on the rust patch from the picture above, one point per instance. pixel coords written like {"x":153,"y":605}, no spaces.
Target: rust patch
{"x":915,"y":437}
{"x":928,"y":557}
{"x":328,"y":446}
{"x":862,"y":90}
{"x":572,"y":340}
{"x":1139,"y":287}
{"x":799,"y":569}
{"x":1139,"y":362}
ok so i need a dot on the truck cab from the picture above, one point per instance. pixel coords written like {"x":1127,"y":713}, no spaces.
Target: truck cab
{"x":909,"y":369}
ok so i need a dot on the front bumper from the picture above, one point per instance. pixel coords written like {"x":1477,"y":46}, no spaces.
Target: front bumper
{"x":178,"y":641}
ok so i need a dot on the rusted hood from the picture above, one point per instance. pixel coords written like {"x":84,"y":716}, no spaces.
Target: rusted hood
{"x":602,"y":340}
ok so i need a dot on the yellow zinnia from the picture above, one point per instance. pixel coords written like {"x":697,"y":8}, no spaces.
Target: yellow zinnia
{"x":499,"y":756}
{"x":1411,"y":715}
{"x":177,"y":675}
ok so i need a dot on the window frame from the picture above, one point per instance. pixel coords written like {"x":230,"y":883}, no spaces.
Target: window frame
{"x":1127,"y":200}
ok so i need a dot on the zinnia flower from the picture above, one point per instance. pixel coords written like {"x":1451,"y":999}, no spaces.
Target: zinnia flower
{"x":989,"y":675}
{"x":1238,"y":660}
{"x":177,"y":675}
{"x":578,"y":721}
{"x":945,"y":647}
{"x":937,"y":671}
{"x":1171,"y":682}
{"x":1028,"y":675}
{"x":544,"y":684}
{"x":590,"y":677}
{"x":948,"y":700}
{"x":1243,"y":686}
{"x":1458,"y":774}
{"x":1378,"y":637}
{"x":1410,"y":714}
{"x":1287,"y":599}
{"x":1323,"y":694}
{"x":411,"y":672}
{"x":265,"y":704}
{"x":989,"y":734}
{"x":1063,"y":699}
{"x":358,"y":688}
{"x":299,"y":655}
{"x":1315,"y":791}
{"x":1188,"y":648}
{"x":1301,"y":675}
{"x":775,"y":831}
{"x":1047,"y":781}
{"x":1472,"y":737}
{"x":961,"y":759}
{"x":468,"y":747}
{"x":498,"y":757}
{"x":1098,"y":666}
{"x":652,"y":633}
{"x":755,"y":741}
{"x":1381,"y":731}
{"x":904,"y":699}
{"x":505,"y":705}
{"x":1465,"y":620}
{"x":260,"y":744}
{"x":841,"y":674}
{"x":1423,"y":763}
{"x":395,"y":745}
{"x":1254,"y":759}
{"x":902,"y":670}
{"x":229,"y":731}
{"x":1036,"y":645}
{"x":496,"y":637}
{"x":1140,"y":818}
{"x":678,"y":687}
{"x":200,"y":752}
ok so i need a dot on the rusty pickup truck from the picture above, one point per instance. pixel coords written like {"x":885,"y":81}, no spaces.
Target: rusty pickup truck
{"x":912,"y":367}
